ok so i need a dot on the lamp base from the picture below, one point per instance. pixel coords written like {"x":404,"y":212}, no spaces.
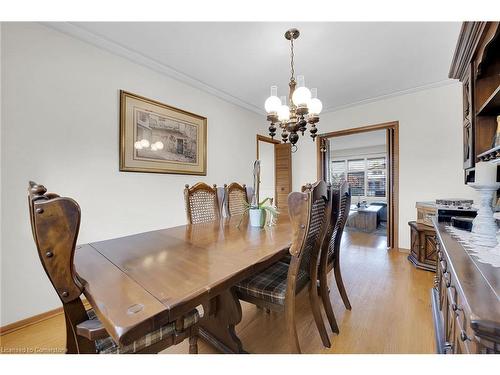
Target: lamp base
{"x":484,"y":227}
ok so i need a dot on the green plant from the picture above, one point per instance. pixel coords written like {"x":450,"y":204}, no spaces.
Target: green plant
{"x":261,"y":206}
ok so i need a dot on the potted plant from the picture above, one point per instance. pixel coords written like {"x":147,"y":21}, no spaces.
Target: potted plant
{"x":256,"y":211}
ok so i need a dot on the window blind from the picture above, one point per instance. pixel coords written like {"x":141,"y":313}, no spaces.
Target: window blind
{"x":337,"y":173}
{"x":356,"y":176}
{"x":376,"y":177}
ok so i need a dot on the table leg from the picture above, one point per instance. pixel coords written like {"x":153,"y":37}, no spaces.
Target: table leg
{"x":217,"y":326}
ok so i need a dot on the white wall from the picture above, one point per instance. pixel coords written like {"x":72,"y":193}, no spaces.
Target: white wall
{"x":60,"y":128}
{"x":1,"y":117}
{"x":430,"y":136}
{"x":374,"y":138}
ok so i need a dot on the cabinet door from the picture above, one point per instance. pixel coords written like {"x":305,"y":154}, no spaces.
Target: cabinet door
{"x":468,"y":126}
{"x":430,"y":253}
{"x":448,"y":314}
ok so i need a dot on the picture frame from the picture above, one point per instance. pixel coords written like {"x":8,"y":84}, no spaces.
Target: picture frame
{"x":158,"y":138}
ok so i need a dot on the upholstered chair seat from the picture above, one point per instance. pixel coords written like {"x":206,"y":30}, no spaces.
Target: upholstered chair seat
{"x":108,"y":346}
{"x":270,"y":285}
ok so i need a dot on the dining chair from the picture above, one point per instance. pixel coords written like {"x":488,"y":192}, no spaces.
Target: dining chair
{"x":55,"y":223}
{"x":236,"y":200}
{"x":202,"y":204}
{"x":276,"y":287}
{"x":330,"y":251}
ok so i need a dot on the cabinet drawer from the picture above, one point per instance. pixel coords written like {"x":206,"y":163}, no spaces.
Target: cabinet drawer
{"x":462,"y":342}
{"x":460,"y":333}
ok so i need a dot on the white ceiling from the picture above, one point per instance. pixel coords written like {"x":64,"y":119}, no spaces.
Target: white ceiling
{"x":348,"y":62}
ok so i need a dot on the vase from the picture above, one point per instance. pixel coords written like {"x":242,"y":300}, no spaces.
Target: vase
{"x":257,"y":217}
{"x":484,"y":226}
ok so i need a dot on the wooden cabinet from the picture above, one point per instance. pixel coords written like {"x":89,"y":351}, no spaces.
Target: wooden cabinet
{"x":423,"y":246}
{"x":476,"y":63}
{"x":465,"y":306}
{"x":468,"y":128}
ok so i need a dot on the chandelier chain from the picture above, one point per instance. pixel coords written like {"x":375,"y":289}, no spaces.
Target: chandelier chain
{"x":291,"y":60}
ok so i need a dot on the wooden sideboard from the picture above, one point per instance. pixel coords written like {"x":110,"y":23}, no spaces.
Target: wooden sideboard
{"x":476,"y":63}
{"x":465,"y":300}
{"x":423,"y":252}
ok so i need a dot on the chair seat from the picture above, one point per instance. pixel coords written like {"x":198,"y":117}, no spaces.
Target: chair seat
{"x":108,"y":345}
{"x":270,"y":285}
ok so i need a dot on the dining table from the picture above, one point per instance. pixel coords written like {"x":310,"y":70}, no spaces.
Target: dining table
{"x":140,"y":282}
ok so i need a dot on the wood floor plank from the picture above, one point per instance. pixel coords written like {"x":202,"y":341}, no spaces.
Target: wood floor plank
{"x":390,"y":300}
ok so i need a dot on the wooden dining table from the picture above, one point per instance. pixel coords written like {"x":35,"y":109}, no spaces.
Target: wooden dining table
{"x":140,"y":282}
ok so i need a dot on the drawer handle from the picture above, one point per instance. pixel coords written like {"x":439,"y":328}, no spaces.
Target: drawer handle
{"x":447,"y":279}
{"x":463,"y":336}
{"x":444,"y":265}
{"x":447,"y":348}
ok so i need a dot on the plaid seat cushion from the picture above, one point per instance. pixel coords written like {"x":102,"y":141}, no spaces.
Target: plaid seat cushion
{"x":108,"y":346}
{"x":270,"y":284}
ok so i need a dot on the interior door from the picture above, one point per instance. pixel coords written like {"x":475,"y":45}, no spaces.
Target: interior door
{"x":326,"y":157}
{"x":283,"y":174}
{"x":267,"y":187}
{"x":390,"y":160}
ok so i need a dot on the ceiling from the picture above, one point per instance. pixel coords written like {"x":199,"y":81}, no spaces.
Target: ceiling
{"x":349,"y":62}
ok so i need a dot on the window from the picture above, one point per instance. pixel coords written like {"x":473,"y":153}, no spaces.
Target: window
{"x":376,"y":178}
{"x":337,"y":173}
{"x":366,"y":176}
{"x":356,"y":176}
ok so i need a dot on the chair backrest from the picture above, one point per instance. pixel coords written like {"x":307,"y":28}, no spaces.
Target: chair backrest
{"x":202,"y":204}
{"x":341,"y":205}
{"x":309,"y":217}
{"x":55,"y":222}
{"x":236,"y":200}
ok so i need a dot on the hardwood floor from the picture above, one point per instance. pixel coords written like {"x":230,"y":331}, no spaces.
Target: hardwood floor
{"x":390,"y":300}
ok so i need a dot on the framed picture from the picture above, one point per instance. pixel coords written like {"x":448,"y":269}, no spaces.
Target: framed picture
{"x":157,"y":138}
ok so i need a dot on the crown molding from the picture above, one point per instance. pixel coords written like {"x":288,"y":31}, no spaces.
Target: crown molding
{"x":117,"y":49}
{"x":412,"y":90}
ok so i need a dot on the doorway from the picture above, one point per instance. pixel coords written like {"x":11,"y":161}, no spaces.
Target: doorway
{"x":275,"y":170}
{"x":368,"y":158}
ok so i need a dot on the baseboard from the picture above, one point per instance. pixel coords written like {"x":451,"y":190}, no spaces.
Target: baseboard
{"x":403,"y":250}
{"x":35,"y":319}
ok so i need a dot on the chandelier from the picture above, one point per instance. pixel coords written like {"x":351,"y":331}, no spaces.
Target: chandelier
{"x":302,"y":108}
